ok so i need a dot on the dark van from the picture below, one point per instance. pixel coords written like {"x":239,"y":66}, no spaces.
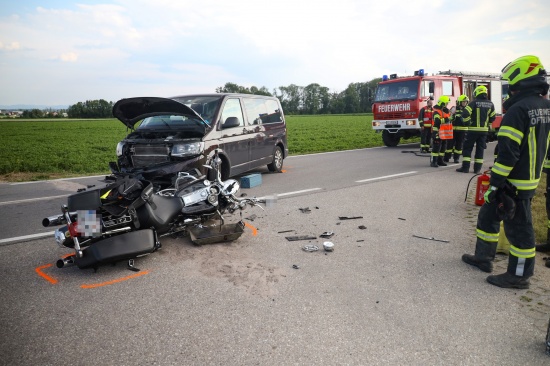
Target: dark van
{"x":171,"y":135}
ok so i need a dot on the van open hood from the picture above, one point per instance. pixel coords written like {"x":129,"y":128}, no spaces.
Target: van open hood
{"x":131,"y":110}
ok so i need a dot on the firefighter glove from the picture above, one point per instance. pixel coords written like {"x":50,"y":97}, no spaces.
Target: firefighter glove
{"x":490,"y":195}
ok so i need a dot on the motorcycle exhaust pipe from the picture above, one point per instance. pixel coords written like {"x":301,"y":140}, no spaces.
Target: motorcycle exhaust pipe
{"x":57,"y":220}
{"x":65,"y":262}
{"x":54,"y":221}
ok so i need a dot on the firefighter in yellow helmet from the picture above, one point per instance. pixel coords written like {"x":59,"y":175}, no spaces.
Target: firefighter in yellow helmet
{"x":478,"y":116}
{"x":441,"y":117}
{"x":523,"y":147}
{"x":454,"y":146}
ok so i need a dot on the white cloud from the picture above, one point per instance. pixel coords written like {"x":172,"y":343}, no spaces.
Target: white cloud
{"x":119,"y":48}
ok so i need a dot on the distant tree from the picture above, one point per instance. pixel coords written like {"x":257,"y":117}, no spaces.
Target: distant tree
{"x":235,"y":88}
{"x":33,"y":113}
{"x":91,"y":109}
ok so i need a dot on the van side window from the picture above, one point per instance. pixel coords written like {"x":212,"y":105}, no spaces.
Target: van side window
{"x":255,"y":110}
{"x":273,"y":112}
{"x":232,"y":108}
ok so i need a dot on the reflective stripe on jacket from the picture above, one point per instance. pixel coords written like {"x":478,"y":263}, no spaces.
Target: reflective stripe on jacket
{"x":479,"y":114}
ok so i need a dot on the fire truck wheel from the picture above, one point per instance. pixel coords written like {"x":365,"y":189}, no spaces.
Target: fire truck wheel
{"x":390,"y":139}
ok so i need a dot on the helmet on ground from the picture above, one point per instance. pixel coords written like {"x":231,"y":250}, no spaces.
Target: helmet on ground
{"x":480,"y":89}
{"x":443,"y":100}
{"x":522,"y":68}
{"x":463,"y":98}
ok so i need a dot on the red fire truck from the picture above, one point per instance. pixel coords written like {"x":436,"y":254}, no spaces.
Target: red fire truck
{"x":398,"y":100}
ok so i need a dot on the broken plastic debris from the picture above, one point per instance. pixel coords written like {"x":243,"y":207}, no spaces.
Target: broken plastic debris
{"x":295,"y":266}
{"x":300,"y":237}
{"x":349,"y":217}
{"x":329,"y":246}
{"x":362,"y":227}
{"x":305,"y":210}
{"x":327,"y":234}
{"x":310,"y":248}
{"x":251,"y":217}
{"x":284,"y":231}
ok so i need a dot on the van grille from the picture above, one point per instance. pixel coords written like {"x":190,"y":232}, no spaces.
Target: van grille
{"x":145,"y":155}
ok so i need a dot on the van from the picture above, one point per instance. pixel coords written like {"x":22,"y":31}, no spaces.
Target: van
{"x":171,"y":135}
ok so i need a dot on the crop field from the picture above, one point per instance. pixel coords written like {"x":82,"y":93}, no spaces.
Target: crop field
{"x":45,"y":149}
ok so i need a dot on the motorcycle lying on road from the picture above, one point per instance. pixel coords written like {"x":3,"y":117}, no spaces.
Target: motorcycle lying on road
{"x":125,"y":219}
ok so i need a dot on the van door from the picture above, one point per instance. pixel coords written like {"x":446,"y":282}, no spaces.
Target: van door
{"x":261,"y":145}
{"x":236,"y":140}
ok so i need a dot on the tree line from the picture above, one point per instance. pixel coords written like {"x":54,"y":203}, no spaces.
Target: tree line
{"x":314,"y":98}
{"x":310,"y":99}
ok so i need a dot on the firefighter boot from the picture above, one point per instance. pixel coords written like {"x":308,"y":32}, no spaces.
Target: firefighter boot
{"x":483,"y":257}
{"x":508,"y":280}
{"x":465,"y":167}
{"x":477,"y":168}
{"x":456,"y":156}
{"x":447,"y":157}
{"x":433,"y":162}
{"x":440,"y":162}
{"x":483,"y":264}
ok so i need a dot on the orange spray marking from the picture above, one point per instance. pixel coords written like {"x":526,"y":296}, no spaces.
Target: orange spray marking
{"x":38,"y":270}
{"x":142,"y":273}
{"x":254,"y":230}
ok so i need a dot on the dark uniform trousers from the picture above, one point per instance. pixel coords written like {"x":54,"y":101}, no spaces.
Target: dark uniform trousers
{"x":426,"y":137}
{"x":438,"y":147}
{"x":454,"y":146}
{"x":480,"y":140}
{"x":519,"y":232}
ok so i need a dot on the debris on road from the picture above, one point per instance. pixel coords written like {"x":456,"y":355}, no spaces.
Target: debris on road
{"x":362,"y":227}
{"x":327,"y":234}
{"x":252,"y":217}
{"x":400,"y":218}
{"x":310,"y":248}
{"x":300,"y":237}
{"x":295,"y":266}
{"x":305,"y":210}
{"x":349,"y":217}
{"x":285,"y":231}
{"x":431,"y":238}
{"x":329,"y":246}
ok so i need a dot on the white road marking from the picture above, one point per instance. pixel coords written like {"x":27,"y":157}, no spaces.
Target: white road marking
{"x":297,"y":192}
{"x":384,"y":177}
{"x":32,"y":200}
{"x":26,"y":237}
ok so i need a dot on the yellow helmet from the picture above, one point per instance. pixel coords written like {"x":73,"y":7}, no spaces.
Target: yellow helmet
{"x":522,"y":68}
{"x":463,"y":98}
{"x":443,"y":100}
{"x":481,"y":89}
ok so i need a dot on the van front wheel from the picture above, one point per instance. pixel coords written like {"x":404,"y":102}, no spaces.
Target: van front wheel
{"x":277,"y":164}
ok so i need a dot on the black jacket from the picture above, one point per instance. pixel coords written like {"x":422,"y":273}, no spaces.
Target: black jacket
{"x":479,"y":114}
{"x":522,"y":142}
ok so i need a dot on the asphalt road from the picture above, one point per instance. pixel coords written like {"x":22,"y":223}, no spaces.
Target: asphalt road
{"x":382,"y":297}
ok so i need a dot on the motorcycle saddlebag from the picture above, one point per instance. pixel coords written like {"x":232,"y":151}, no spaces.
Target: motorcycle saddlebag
{"x":124,"y":246}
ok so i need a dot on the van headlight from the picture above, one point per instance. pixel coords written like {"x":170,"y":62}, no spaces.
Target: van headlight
{"x":189,"y":149}
{"x":119,"y":148}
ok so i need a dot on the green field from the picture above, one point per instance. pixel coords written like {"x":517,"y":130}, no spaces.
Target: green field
{"x":44,"y":149}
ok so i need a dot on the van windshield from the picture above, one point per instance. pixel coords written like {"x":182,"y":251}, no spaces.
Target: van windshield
{"x":205,"y":106}
{"x":397,"y":90}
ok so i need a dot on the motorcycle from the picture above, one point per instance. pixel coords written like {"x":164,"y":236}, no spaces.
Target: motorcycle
{"x":125,"y":219}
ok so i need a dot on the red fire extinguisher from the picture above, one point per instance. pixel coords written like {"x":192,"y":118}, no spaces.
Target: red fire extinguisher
{"x":482,"y":187}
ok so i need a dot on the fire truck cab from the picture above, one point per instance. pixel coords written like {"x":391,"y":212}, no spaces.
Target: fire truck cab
{"x":398,"y":100}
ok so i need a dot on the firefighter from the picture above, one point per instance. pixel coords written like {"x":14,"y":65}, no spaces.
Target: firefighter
{"x":426,"y":122}
{"x":454,"y":148}
{"x":478,"y":116}
{"x":441,"y":117}
{"x":523,"y":146}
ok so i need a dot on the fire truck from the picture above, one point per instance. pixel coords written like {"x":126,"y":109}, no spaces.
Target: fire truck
{"x":398,"y":100}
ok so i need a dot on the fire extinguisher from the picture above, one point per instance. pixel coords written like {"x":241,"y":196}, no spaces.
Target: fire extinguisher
{"x":481,"y":188}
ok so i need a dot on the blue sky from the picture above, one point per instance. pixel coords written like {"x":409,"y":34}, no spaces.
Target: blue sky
{"x":60,"y":52}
